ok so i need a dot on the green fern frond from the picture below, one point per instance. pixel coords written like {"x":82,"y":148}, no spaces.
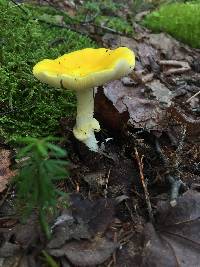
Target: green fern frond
{"x":35,"y":181}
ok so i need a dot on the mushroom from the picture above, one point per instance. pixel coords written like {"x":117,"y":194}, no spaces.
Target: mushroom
{"x":81,"y":71}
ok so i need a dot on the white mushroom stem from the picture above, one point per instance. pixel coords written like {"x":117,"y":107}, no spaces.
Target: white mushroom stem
{"x":85,"y":123}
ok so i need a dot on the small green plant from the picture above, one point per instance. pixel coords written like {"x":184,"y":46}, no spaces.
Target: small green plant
{"x":49,"y":259}
{"x":41,"y":167}
{"x":181,"y":20}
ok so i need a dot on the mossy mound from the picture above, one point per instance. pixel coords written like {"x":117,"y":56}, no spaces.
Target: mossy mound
{"x":28,"y":107}
{"x":181,"y":20}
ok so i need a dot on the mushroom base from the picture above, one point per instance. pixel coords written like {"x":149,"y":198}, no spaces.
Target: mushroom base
{"x":86,"y":125}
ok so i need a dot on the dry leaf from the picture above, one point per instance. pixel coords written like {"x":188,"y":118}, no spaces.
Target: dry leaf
{"x":83,"y":220}
{"x":130,"y":105}
{"x":176,"y":239}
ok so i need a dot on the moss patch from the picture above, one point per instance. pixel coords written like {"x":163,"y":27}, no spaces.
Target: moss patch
{"x":115,"y":23}
{"x":181,"y":20}
{"x":105,"y":13}
{"x":28,"y":107}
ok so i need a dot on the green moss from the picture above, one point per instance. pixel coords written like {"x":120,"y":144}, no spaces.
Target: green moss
{"x":181,"y":20}
{"x":28,"y":107}
{"x":98,"y":6}
{"x":115,"y":23}
{"x":104,"y":13}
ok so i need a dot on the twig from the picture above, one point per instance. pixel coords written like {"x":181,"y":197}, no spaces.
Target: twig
{"x":73,"y":27}
{"x":64,"y":26}
{"x":110,"y":263}
{"x":180,"y":149}
{"x":175,"y":181}
{"x":19,"y":6}
{"x":182,"y":66}
{"x":126,"y":239}
{"x":147,"y":198}
{"x":106,"y":184}
{"x":130,"y":211}
{"x":80,"y":22}
{"x":189,"y":99}
{"x":107,"y":29}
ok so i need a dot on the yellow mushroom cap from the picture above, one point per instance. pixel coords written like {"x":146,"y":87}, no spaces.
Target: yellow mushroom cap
{"x":85,"y":68}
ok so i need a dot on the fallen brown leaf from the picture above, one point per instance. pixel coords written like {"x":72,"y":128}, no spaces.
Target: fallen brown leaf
{"x":83,"y":220}
{"x":175,"y":241}
{"x":131,"y":105}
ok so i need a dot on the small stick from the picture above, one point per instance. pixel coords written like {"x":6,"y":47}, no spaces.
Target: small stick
{"x":182,"y":66}
{"x":179,"y":150}
{"x":175,"y":182}
{"x":147,"y":198}
{"x":125,"y":240}
{"x":189,"y":99}
{"x":19,"y":6}
{"x":129,"y":209}
{"x":173,"y":63}
{"x":110,"y":263}
{"x":106,"y":184}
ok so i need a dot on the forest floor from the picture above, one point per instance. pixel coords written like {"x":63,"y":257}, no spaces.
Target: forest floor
{"x":137,"y":204}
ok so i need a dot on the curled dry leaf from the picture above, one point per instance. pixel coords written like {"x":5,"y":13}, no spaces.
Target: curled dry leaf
{"x":83,"y":220}
{"x":130,"y":105}
{"x":86,"y":220}
{"x":5,"y":172}
{"x":176,"y":239}
{"x":69,"y":229}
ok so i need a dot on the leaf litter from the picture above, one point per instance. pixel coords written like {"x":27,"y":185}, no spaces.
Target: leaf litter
{"x":159,"y":59}
{"x":175,"y":240}
{"x":79,"y":237}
